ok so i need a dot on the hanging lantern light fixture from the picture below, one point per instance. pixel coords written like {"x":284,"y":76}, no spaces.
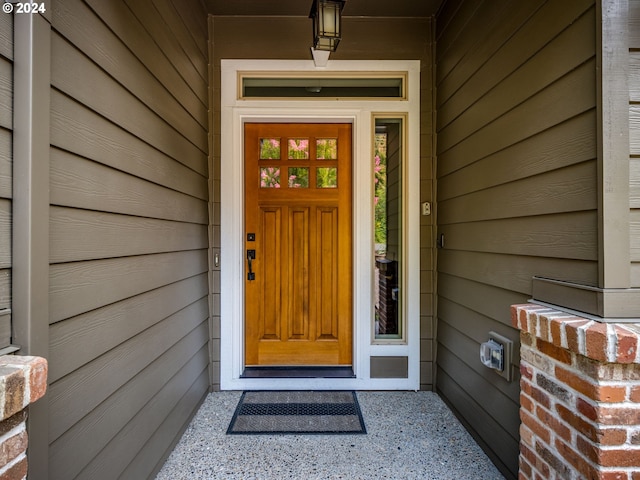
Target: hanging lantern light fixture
{"x":327,"y":22}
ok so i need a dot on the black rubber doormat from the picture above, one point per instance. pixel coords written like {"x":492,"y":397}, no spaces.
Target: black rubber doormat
{"x":286,"y":412}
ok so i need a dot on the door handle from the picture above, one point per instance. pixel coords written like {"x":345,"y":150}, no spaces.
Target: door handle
{"x":251,"y":255}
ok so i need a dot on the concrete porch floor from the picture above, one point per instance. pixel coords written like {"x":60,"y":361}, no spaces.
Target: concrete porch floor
{"x":410,"y":435}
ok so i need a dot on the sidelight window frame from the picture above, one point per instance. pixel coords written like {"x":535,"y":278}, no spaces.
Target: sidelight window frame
{"x":396,"y":258}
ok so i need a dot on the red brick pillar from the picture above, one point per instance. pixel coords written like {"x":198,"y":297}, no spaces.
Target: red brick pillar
{"x":23,"y":380}
{"x":579,"y":396}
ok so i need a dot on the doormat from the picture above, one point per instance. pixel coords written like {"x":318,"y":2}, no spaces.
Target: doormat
{"x":285,"y":412}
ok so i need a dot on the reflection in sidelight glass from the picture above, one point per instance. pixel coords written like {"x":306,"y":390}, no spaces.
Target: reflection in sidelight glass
{"x":387,"y":200}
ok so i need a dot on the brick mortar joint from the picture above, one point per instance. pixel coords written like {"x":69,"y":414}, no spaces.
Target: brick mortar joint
{"x":23,"y":380}
{"x":602,"y":342}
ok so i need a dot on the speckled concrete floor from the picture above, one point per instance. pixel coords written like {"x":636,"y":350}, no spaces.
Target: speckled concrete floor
{"x":411,"y":435}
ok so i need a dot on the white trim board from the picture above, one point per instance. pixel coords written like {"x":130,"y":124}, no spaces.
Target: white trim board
{"x":234,"y":113}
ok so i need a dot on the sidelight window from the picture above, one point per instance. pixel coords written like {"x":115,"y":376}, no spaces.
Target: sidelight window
{"x":388,"y":178}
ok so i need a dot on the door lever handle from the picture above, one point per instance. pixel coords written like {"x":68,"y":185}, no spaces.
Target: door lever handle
{"x":251,"y":255}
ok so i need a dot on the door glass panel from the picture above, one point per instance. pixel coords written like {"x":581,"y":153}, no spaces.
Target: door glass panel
{"x":298,"y":148}
{"x":298,"y":177}
{"x":327,"y":148}
{"x":270,"y":177}
{"x":388,"y":162}
{"x":326,"y":177}
{"x":269,"y":148}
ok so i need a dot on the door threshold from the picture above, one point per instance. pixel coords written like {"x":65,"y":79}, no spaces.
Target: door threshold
{"x":298,"y":372}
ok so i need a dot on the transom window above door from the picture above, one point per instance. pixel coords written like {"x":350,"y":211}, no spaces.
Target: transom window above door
{"x":346,"y":85}
{"x":301,"y":162}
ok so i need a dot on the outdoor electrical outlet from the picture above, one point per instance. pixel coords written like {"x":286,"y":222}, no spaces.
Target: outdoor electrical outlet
{"x":426,"y":208}
{"x":492,"y":355}
{"x":497,"y":354}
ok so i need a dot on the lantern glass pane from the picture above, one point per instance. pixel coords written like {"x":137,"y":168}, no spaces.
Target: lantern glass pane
{"x":329,"y":20}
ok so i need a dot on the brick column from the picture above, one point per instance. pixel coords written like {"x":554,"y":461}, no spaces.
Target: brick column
{"x":579,"y":396}
{"x":23,"y":380}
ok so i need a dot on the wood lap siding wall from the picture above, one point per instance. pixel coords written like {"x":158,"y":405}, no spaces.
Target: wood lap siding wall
{"x":516,"y":172}
{"x":634,"y":138}
{"x":6,"y":140}
{"x":128,"y":232}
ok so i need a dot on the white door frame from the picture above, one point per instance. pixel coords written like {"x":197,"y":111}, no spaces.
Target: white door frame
{"x":359,"y":112}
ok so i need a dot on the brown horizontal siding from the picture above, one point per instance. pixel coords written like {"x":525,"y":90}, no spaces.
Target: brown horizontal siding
{"x":84,"y":390}
{"x":128,"y":229}
{"x":6,"y":93}
{"x":6,"y":175}
{"x":105,"y":143}
{"x":471,"y":413}
{"x":572,"y":91}
{"x":568,"y":143}
{"x":110,"y":280}
{"x":634,"y":24}
{"x":635,"y":274}
{"x":517,"y":196}
{"x":103,"y":329}
{"x":6,"y":183}
{"x":634,"y":75}
{"x":110,"y":236}
{"x":6,"y":36}
{"x":554,"y":192}
{"x":634,"y":139}
{"x":565,"y":235}
{"x":472,"y":295}
{"x":497,"y":400}
{"x":536,"y":36}
{"x":5,"y":288}
{"x":427,"y":228}
{"x":634,"y":132}
{"x":5,"y":233}
{"x":177,"y":416}
{"x":126,"y":399}
{"x":109,"y":98}
{"x":77,"y":181}
{"x":140,"y":32}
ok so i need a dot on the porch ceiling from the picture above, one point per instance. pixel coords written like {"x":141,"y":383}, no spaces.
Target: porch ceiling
{"x":353,"y":8}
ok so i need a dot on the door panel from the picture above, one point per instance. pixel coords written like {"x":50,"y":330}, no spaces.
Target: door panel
{"x":298,"y":307}
{"x":271,"y":293}
{"x":327,"y":221}
{"x":298,"y":262}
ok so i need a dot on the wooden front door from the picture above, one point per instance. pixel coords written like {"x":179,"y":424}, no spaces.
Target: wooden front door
{"x":298,"y":267}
